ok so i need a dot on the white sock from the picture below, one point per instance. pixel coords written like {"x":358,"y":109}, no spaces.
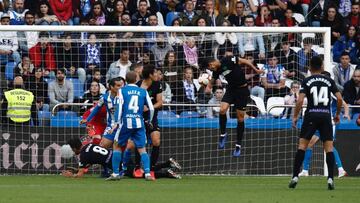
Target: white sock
{"x":223,"y":135}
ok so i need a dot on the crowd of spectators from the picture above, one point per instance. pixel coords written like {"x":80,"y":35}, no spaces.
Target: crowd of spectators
{"x":46,"y":60}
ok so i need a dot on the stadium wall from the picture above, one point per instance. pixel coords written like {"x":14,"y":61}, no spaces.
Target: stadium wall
{"x":37,"y":151}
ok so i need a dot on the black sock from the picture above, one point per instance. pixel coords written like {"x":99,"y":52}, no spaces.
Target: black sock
{"x":330,"y":160}
{"x":299,"y":158}
{"x":154,"y":156}
{"x":240,"y":132}
{"x":137,"y":160}
{"x":222,"y":120}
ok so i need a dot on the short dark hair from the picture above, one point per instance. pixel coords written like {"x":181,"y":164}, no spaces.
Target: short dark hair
{"x":30,"y":13}
{"x":143,"y":1}
{"x":75,"y":143}
{"x":148,"y":70}
{"x":131,"y":77}
{"x":344,"y":53}
{"x":308,"y":40}
{"x":316,"y":63}
{"x":114,"y":80}
{"x":62,"y":70}
{"x":250,"y":16}
{"x":124,"y":49}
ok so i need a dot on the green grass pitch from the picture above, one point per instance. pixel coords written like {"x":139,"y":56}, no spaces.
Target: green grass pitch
{"x":197,"y":189}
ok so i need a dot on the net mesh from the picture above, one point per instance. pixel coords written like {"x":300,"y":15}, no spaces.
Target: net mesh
{"x":189,"y":128}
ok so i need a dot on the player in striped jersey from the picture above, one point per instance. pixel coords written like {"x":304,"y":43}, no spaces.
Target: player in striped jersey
{"x":130,"y":118}
{"x":110,"y":100}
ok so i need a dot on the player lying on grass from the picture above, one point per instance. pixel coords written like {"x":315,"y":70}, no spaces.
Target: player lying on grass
{"x":89,"y":154}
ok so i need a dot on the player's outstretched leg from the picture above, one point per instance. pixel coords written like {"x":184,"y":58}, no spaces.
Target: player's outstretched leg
{"x":341,"y":171}
{"x":222,"y":122}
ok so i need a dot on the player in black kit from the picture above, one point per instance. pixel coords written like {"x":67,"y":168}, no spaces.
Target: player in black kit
{"x":317,"y":88}
{"x":237,"y":93}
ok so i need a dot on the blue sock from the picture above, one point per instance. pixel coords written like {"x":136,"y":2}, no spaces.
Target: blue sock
{"x":116,"y":159}
{"x":126,"y":159}
{"x":337,"y":158}
{"x":146,"y":162}
{"x":307,"y":159}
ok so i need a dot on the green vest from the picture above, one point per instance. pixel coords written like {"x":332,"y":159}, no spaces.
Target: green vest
{"x":19,"y":105}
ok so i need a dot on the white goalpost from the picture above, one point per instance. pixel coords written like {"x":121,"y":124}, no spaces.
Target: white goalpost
{"x":192,"y":137}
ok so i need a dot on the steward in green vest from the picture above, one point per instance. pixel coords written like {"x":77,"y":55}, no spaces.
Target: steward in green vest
{"x":18,"y":105}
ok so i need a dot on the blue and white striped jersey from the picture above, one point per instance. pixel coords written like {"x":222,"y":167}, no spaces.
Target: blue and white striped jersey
{"x":111,"y":104}
{"x":131,"y":106}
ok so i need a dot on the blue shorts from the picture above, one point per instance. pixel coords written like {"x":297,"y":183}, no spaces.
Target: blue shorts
{"x":137,"y":135}
{"x":107,"y":135}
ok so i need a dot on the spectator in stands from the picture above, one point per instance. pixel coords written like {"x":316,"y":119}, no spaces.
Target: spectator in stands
{"x":96,"y":76}
{"x":351,"y":91}
{"x":151,"y":36}
{"x":225,"y":7}
{"x":134,"y":5}
{"x":175,"y":39}
{"x":251,"y":42}
{"x":171,"y":69}
{"x":39,"y":88}
{"x":252,"y":6}
{"x":203,"y":42}
{"x":170,"y":10}
{"x":119,"y":67}
{"x":62,"y":10}
{"x":189,"y":16}
{"x":61,"y":90}
{"x":92,"y":54}
{"x":343,"y":71}
{"x":141,"y":16}
{"x":353,"y":17}
{"x":305,"y":8}
{"x":273,"y":40}
{"x":191,"y":52}
{"x":25,"y":68}
{"x":213,"y":112}
{"x":288,"y":58}
{"x":273,"y":78}
{"x":28,"y":39}
{"x":115,"y":15}
{"x":317,"y":8}
{"x":333,"y":20}
{"x":43,"y":55}
{"x":295,"y":6}
{"x":186,"y":91}
{"x":291,"y":99}
{"x":17,"y":14}
{"x":212,"y":16}
{"x":160,"y":49}
{"x":92,"y":94}
{"x":8,"y":43}
{"x":46,"y":16}
{"x":348,"y":43}
{"x":68,"y":57}
{"x":81,"y":8}
{"x":264,"y":17}
{"x":147,"y":57}
{"x":18,"y":105}
{"x":238,"y":17}
{"x":277,"y":7}
{"x":290,"y":21}
{"x":225,"y":42}
{"x":305,"y":54}
{"x":126,"y":21}
{"x":97,"y":14}
{"x":253,"y":79}
{"x":110,"y":51}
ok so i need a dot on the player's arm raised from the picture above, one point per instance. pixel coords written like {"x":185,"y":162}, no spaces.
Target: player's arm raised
{"x":298,"y":107}
{"x":248,"y":63}
{"x":94,"y":111}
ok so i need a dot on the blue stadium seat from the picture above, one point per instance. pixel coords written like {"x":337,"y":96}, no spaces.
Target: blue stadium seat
{"x":44,"y":118}
{"x":9,"y":70}
{"x":78,"y":87}
{"x":355,"y":116}
{"x":65,"y":119}
{"x":166,"y":114}
{"x":189,"y":114}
